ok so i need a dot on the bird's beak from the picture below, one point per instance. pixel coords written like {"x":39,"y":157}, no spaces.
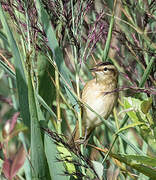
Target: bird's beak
{"x":93,"y":69}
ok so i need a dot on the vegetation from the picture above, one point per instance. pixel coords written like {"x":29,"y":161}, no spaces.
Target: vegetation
{"x":46,"y":50}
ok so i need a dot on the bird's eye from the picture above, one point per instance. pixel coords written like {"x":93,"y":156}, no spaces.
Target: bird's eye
{"x":105,"y":69}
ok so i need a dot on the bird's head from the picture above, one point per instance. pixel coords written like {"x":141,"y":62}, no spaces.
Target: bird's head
{"x":105,"y":71}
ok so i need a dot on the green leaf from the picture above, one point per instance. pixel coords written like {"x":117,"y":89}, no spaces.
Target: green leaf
{"x":143,"y":164}
{"x":27,"y":169}
{"x":133,"y":108}
{"x":146,"y":105}
{"x":46,"y":86}
{"x":43,"y":103}
{"x":148,"y":69}
{"x":130,"y":126}
{"x":38,"y":159}
{"x":7,"y":69}
{"x":98,"y":167}
{"x":4,"y":39}
{"x":150,"y":120}
{"x":56,"y":168}
{"x":20,"y":76}
{"x":109,"y":37}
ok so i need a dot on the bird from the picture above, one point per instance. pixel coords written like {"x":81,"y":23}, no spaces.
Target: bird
{"x":100,"y":95}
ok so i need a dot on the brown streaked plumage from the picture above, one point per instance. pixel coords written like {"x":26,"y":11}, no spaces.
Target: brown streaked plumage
{"x":94,"y":94}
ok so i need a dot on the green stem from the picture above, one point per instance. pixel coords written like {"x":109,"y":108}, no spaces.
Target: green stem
{"x":74,"y":28}
{"x":146,"y":73}
{"x":58,"y":101}
{"x":12,"y":94}
{"x":109,"y":37}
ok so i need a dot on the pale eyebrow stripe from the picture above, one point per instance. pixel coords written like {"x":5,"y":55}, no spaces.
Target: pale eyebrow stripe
{"x":111,"y":69}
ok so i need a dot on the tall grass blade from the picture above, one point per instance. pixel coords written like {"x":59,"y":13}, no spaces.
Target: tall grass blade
{"x":56,"y":168}
{"x":45,"y":72}
{"x":57,"y":53}
{"x":20,"y":76}
{"x":7,"y":69}
{"x":38,"y":159}
{"x":109,"y":37}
